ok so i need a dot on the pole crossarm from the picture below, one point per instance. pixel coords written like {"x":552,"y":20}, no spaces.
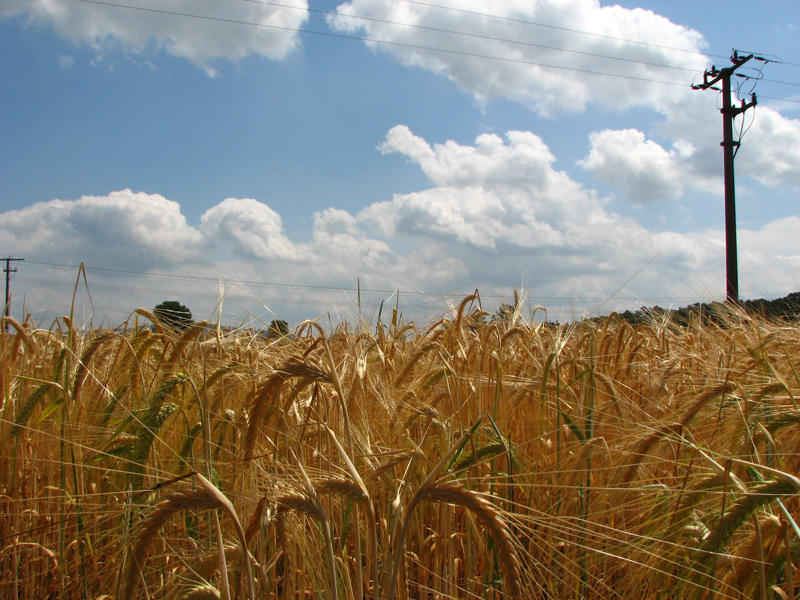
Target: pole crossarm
{"x":719,"y":74}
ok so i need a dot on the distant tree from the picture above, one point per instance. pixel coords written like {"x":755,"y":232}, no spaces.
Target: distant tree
{"x":505,"y":312}
{"x":278,"y":328}
{"x":173,"y":314}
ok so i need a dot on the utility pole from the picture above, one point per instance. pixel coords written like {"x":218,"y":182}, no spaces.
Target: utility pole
{"x":729,"y":145}
{"x":8,"y":271}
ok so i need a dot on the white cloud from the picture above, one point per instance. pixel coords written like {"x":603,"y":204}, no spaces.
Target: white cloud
{"x":521,"y":31}
{"x":495,"y":193}
{"x":777,"y":239}
{"x":501,"y":209}
{"x":770,"y":150}
{"x":343,"y":252}
{"x":529,"y":34}
{"x":525,"y":161}
{"x":121,"y":228}
{"x":644,"y":169}
{"x":65,"y":62}
{"x":480,"y":225}
{"x":215,"y":32}
{"x":769,"y":257}
{"x":254,"y":229}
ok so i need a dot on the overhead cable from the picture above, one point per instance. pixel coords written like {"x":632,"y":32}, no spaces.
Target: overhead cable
{"x":378,"y":41}
{"x":419,"y":47}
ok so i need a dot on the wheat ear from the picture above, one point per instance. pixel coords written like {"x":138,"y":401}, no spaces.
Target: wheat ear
{"x":202,"y":592}
{"x":740,"y":511}
{"x":223,"y":501}
{"x":409,"y":366}
{"x":644,"y":446}
{"x":152,"y":318}
{"x":268,"y":392}
{"x":692,"y":411}
{"x":750,"y":553}
{"x":83,"y":363}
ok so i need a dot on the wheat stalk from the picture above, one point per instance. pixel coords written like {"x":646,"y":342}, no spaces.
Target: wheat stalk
{"x":65,"y":483}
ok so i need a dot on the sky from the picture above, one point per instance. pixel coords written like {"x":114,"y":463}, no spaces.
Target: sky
{"x":294,"y":160}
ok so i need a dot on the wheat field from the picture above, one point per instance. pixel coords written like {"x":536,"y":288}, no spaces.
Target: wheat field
{"x":469,"y":458}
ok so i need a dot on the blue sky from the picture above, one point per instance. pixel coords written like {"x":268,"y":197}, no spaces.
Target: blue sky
{"x":252,"y":170}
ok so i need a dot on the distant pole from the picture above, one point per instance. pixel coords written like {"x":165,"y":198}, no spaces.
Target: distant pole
{"x":729,"y":145}
{"x":8,"y":271}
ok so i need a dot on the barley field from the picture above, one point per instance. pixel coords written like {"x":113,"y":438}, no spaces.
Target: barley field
{"x":469,"y":458}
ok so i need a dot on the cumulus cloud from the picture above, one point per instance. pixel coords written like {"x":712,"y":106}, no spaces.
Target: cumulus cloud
{"x":643,"y":168}
{"x":501,"y":209}
{"x":769,"y":258}
{"x":777,"y":239}
{"x":122,"y":228}
{"x":546,"y":64}
{"x":344,"y":251}
{"x":525,"y":160}
{"x":494,"y":193}
{"x":479,"y":225}
{"x":254,"y":229}
{"x":217,"y":30}
{"x":528,"y":34}
{"x":769,"y":151}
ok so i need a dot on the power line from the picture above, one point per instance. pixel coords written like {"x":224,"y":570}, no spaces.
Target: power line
{"x":780,"y":82}
{"x":318,"y":288}
{"x":589,"y":33}
{"x":214,"y":280}
{"x":762,"y":96}
{"x":379,"y":41}
{"x":442,"y":50}
{"x":775,"y":59}
{"x":121,"y":288}
{"x":567,"y":29}
{"x":531,"y":23}
{"x":472,"y":35}
{"x":199,"y":278}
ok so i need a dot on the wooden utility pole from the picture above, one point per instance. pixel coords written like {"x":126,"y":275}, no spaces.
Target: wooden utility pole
{"x":729,"y":145}
{"x":8,"y":271}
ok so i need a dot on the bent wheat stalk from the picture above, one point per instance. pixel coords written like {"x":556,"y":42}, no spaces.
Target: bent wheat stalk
{"x":418,"y":497}
{"x":452,"y":492}
{"x":740,"y":512}
{"x":207,"y":496}
{"x":197,"y":498}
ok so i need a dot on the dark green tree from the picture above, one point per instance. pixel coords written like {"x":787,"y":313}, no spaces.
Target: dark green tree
{"x":173,"y":314}
{"x":278,"y":328}
{"x":505,"y":312}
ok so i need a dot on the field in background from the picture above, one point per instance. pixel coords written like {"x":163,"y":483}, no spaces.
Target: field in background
{"x":467,"y":459}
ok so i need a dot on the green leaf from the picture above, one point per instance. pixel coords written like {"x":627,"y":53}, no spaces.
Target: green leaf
{"x":575,"y":429}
